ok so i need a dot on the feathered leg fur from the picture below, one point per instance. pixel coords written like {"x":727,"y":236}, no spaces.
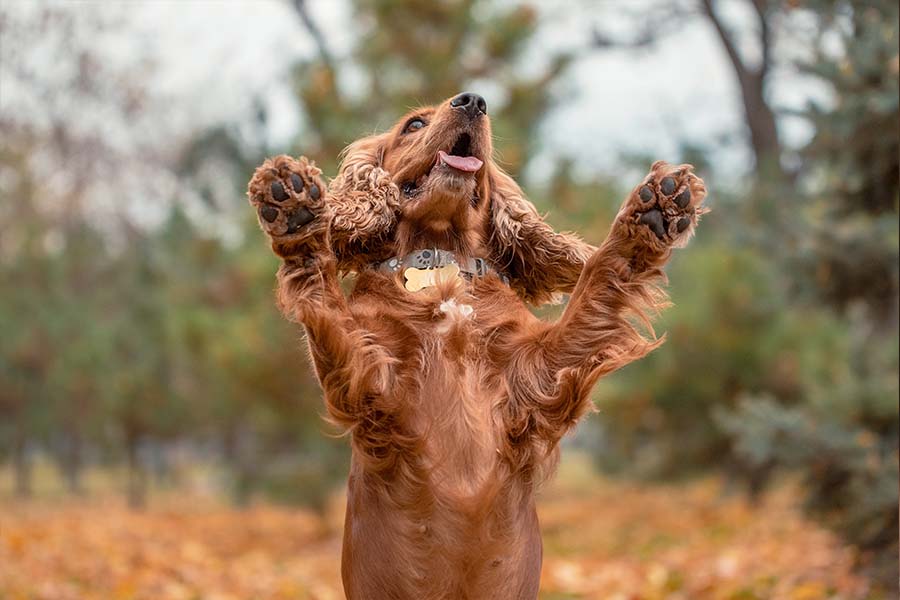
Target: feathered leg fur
{"x":618,"y":291}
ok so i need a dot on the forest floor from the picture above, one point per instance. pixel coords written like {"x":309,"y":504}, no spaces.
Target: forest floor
{"x":602,"y":539}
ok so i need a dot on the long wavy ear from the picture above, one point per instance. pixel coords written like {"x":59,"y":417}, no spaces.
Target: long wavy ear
{"x":363,"y":202}
{"x":539,"y":262}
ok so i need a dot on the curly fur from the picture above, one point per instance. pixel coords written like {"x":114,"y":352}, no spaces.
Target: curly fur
{"x":364,"y":204}
{"x":456,"y":397}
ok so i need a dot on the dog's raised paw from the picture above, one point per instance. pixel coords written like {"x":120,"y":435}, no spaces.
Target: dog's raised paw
{"x":288,"y":195}
{"x":665,"y":207}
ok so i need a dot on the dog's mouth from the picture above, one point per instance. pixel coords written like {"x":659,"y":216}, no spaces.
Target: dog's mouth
{"x":454,"y":165}
{"x":460,"y":157}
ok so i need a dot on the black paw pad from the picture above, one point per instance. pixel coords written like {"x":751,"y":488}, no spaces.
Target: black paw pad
{"x":269,"y":213}
{"x":298,"y":219}
{"x":654,"y":220}
{"x":684,"y":198}
{"x":314,"y":192}
{"x":278,"y":192}
{"x":296,"y":183}
{"x":646,"y":194}
{"x":667,"y":185}
{"x":682,"y":224}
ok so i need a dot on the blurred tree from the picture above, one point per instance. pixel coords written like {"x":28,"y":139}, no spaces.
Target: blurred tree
{"x":140,"y":398}
{"x":26,"y":339}
{"x":845,"y":437}
{"x":749,"y":48}
{"x":853,"y":161}
{"x":65,"y":128}
{"x":79,"y":354}
{"x":759,"y":114}
{"x":413,"y":52}
{"x":758,"y":373}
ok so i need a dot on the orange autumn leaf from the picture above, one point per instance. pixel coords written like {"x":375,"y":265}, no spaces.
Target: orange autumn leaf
{"x":602,"y":540}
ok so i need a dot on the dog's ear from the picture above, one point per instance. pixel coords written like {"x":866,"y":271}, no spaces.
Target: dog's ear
{"x":539,"y":262}
{"x":363,"y":202}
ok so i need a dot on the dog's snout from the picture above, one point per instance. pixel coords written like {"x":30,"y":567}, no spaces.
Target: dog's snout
{"x":473,"y":104}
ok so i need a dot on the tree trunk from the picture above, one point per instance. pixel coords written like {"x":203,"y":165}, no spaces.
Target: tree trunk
{"x":137,"y":478}
{"x":22,"y":467}
{"x":758,"y":114}
{"x":72,"y":462}
{"x":234,"y":452}
{"x":763,"y":130}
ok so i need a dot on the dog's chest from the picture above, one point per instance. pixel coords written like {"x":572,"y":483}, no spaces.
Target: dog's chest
{"x":454,"y":417}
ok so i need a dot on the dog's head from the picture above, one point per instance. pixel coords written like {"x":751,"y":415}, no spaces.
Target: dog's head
{"x":431,"y":182}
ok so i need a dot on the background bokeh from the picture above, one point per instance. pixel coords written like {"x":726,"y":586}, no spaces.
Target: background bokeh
{"x":142,"y":360}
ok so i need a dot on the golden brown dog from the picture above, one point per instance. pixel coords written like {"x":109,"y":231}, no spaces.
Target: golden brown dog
{"x":454,"y":394}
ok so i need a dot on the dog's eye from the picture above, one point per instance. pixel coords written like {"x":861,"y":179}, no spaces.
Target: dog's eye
{"x":414,"y":125}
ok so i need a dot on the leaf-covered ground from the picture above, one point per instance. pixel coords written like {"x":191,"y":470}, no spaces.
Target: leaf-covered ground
{"x":602,"y":539}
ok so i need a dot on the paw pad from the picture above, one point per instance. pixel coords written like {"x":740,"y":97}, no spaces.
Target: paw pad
{"x":667,"y":204}
{"x":268,"y":213}
{"x":667,"y":186}
{"x":654,"y":220}
{"x":278,"y":192}
{"x":287,"y":195}
{"x":298,"y":219}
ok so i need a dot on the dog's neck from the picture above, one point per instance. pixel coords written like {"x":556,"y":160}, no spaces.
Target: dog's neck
{"x":432,"y":225}
{"x":462,"y":241}
{"x":446,"y":213}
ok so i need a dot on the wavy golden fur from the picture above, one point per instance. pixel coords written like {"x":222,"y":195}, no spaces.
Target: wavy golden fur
{"x":455,"y":397}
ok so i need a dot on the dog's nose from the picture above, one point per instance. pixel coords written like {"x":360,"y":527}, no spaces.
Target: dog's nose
{"x":473,"y":104}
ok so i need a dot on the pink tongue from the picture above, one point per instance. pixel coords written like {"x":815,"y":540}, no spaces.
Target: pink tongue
{"x":470,"y":164}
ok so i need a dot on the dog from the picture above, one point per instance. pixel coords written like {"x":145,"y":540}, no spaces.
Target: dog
{"x":453,"y":394}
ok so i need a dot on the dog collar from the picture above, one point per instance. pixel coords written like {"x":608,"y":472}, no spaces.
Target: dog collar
{"x":423,"y":268}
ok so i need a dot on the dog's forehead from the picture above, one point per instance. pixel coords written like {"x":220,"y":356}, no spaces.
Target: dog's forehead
{"x":421,"y":111}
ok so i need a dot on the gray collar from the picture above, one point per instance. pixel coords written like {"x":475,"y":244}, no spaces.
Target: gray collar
{"x":435,"y":258}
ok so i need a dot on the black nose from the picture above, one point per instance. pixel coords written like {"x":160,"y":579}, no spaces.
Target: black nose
{"x":473,"y":104}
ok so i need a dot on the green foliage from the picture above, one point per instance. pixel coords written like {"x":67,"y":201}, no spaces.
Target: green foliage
{"x":853,"y":159}
{"x":842,"y":437}
{"x":856,"y":141}
{"x":730,"y":332}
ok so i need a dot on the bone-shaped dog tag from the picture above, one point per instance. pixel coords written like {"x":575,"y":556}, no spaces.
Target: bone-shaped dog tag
{"x":417,"y":279}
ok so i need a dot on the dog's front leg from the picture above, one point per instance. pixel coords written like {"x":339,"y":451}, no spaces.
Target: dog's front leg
{"x":620,"y":281}
{"x":290,"y":199}
{"x":556,"y":366}
{"x":352,"y":367}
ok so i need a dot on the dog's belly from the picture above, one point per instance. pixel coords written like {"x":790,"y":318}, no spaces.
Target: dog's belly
{"x":436,"y":551}
{"x":454,"y":522}
{"x":455,"y":422}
